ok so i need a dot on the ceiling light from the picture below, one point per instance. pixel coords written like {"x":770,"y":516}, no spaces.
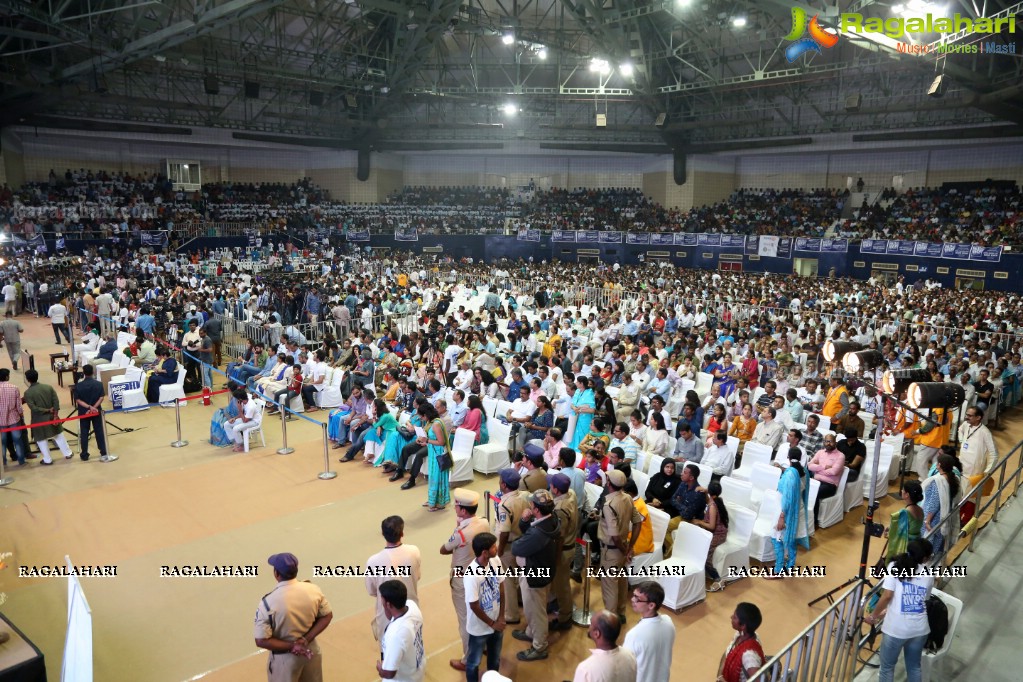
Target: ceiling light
{"x":542,"y":53}
{"x":739,"y":21}
{"x":508,"y":38}
{"x":626,"y":69}
{"x":510,"y":109}
{"x":384,"y":90}
{"x":683,"y":3}
{"x":600,"y":66}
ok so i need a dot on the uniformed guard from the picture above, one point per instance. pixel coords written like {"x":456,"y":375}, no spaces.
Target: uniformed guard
{"x":288,"y":620}
{"x":509,"y":511}
{"x":535,"y":477}
{"x":459,"y":546}
{"x":566,"y":508}
{"x":618,"y":521}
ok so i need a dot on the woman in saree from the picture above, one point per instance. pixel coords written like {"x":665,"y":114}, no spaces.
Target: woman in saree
{"x":792,"y":529}
{"x":941,"y":495}
{"x":907,"y":522}
{"x":750,"y":369}
{"x":438,"y":492}
{"x":379,"y":432}
{"x":726,"y":374}
{"x":744,"y":655}
{"x":218,"y":436}
{"x":476,"y":420}
{"x":584,"y":404}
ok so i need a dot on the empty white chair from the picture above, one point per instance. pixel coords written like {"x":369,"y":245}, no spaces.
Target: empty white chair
{"x":676,"y":400}
{"x":955,"y":608}
{"x":752,"y":454}
{"x":760,"y":546}
{"x":833,"y":509}
{"x":659,"y":523}
{"x":757,"y":392}
{"x":493,"y":456}
{"x":641,"y":462}
{"x":763,"y":478}
{"x":171,"y":392}
{"x":880,"y":486}
{"x":642,"y":481}
{"x":735,"y":550}
{"x":736,"y":492}
{"x":815,"y":489}
{"x":462,"y":453}
{"x":489,"y":406}
{"x":703,"y":383}
{"x":328,"y":394}
{"x":689,"y":558}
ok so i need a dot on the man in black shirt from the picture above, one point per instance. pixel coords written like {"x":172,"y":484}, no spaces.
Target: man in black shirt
{"x":88,"y":398}
{"x":985,"y":389}
{"x":855,"y":452}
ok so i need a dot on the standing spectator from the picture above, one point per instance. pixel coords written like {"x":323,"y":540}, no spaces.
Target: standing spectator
{"x":288,"y":620}
{"x":608,"y":662}
{"x":745,"y":655}
{"x":10,"y":293}
{"x":11,"y":415}
{"x":215,"y":330}
{"x":618,"y":532}
{"x":652,"y":639}
{"x":88,"y":398}
{"x":105,"y":310}
{"x":44,"y":405}
{"x":538,"y":547}
{"x":395,"y":554}
{"x":12,"y":330}
{"x":402,"y":654}
{"x":206,"y":358}
{"x":977,"y":453}
{"x":481,"y":585}
{"x":58,"y":320}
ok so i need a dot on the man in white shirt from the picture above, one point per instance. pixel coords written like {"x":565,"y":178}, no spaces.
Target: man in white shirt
{"x":450,"y":362}
{"x":458,"y":408}
{"x":10,"y":293}
{"x":769,"y":432}
{"x":395,"y":554}
{"x":978,"y":452}
{"x":608,"y":662}
{"x":717,"y":456}
{"x":520,"y":412}
{"x":251,"y":417}
{"x":402,"y":654}
{"x":463,"y":380}
{"x":58,"y":320}
{"x":653,"y":637}
{"x":792,"y":440}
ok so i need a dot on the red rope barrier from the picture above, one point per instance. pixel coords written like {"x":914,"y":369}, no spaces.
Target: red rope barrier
{"x":8,"y":429}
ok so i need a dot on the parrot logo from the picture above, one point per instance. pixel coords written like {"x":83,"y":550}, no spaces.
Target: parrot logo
{"x":817,"y":39}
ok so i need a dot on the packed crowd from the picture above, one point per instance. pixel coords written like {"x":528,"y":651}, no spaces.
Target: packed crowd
{"x":597,"y":390}
{"x":452,"y":196}
{"x":787,"y":212}
{"x":988,"y":216}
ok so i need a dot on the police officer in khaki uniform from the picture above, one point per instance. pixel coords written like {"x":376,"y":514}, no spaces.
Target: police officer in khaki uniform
{"x":566,"y":508}
{"x":513,"y":503}
{"x":459,"y":546}
{"x":535,"y":477}
{"x":288,"y":620}
{"x":618,"y":521}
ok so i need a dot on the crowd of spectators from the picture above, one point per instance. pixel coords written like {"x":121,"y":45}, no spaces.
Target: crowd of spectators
{"x":452,"y":196}
{"x":987,"y":215}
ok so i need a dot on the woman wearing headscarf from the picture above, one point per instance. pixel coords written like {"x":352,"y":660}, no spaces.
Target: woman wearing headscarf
{"x":662,"y":486}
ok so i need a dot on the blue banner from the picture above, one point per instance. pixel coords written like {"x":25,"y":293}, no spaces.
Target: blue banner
{"x":587,"y":236}
{"x":61,"y":244}
{"x":637,"y":238}
{"x":989,"y":254}
{"x":834,"y":245}
{"x":685,"y":239}
{"x":804,"y":244}
{"x":154,"y":238}
{"x":610,"y":237}
{"x":704,"y":239}
{"x":898,"y":247}
{"x":357,"y":235}
{"x":563,"y":236}
{"x":406,"y":234}
{"x":784,"y":247}
{"x":956,"y":251}
{"x":752,"y":243}
{"x":661,"y":239}
{"x":875,"y":246}
{"x":925,"y":249}
{"x":733,"y":241}
{"x":528,"y":235}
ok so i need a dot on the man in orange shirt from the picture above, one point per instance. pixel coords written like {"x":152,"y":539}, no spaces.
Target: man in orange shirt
{"x":836,"y":403}
{"x":929,"y":439}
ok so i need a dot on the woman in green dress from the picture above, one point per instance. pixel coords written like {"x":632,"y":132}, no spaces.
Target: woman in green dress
{"x":439,"y":493}
{"x":907,"y":522}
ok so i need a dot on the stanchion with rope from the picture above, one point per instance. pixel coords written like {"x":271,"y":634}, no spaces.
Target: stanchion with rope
{"x":284,"y":449}
{"x":103,"y":422}
{"x":177,"y":417}
{"x":326,"y":474}
{"x":4,"y":478}
{"x":581,"y":616}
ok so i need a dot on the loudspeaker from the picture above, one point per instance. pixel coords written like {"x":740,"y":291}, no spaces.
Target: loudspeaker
{"x":362,"y":169}
{"x":601,"y":120}
{"x":852,"y":102}
{"x":351,"y":102}
{"x":937,"y":88}
{"x":678,"y":168}
{"x":251,"y":90}
{"x":315,"y":98}
{"x":661,"y":118}
{"x":211,"y":85}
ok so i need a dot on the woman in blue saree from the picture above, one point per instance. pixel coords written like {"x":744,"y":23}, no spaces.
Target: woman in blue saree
{"x":218,"y":436}
{"x":439,"y":493}
{"x":793,"y":528}
{"x":584,"y":404}
{"x":725,"y":375}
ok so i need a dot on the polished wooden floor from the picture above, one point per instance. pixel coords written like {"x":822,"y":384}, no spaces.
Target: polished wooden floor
{"x":198,"y":505}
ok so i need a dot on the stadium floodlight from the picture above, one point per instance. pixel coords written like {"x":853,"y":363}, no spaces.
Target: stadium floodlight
{"x":626,"y":69}
{"x":739,"y":21}
{"x":932,"y":394}
{"x":542,"y":53}
{"x":863,"y":361}
{"x":895,"y":381}
{"x":834,"y":351}
{"x":508,"y":38}
{"x":510,"y":109}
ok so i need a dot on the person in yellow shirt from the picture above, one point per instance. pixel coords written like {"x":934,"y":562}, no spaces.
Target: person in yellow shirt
{"x":552,"y":345}
{"x":836,"y":402}
{"x":645,"y":541}
{"x":929,"y":439}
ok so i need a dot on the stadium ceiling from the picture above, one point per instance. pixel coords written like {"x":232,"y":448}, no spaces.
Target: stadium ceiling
{"x":393,"y":74}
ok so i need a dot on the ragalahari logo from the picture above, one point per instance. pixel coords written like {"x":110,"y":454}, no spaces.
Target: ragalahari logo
{"x":818,"y":38}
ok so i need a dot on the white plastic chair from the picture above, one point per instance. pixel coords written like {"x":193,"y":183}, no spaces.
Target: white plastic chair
{"x":735,"y":550}
{"x":825,"y":424}
{"x":703,"y":383}
{"x":760,"y":546}
{"x":690,"y":556}
{"x":171,"y":392}
{"x":832,"y":510}
{"x":642,"y":481}
{"x":462,"y":453}
{"x":258,"y":429}
{"x":659,"y":522}
{"x":705,"y":473}
{"x":867,"y":471}
{"x":736,"y":492}
{"x":493,"y":456}
{"x":328,"y":394}
{"x":815,"y":489}
{"x":592,"y":492}
{"x":929,"y":660}
{"x":763,"y":478}
{"x":752,"y":454}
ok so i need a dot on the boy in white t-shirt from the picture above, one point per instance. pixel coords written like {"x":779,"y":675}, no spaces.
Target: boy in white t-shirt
{"x":484,"y":606}
{"x":402,"y":655}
